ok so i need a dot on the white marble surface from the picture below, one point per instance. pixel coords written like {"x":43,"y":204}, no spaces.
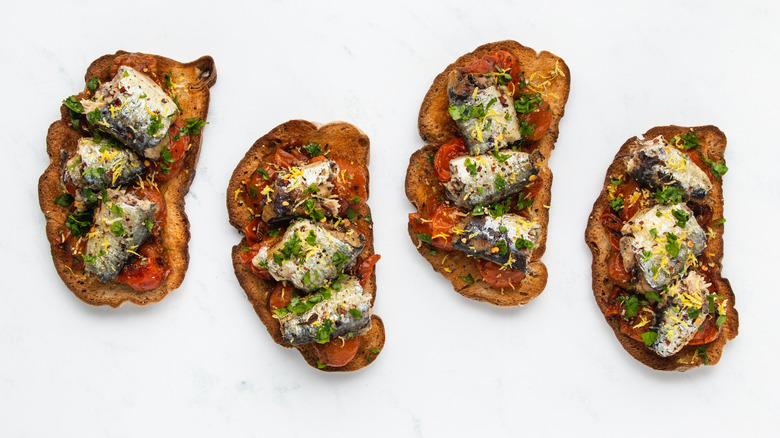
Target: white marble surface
{"x":200,"y":363}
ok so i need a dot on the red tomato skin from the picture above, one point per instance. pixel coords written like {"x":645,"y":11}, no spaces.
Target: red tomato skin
{"x":503,"y":279}
{"x":338,"y":352}
{"x":450,"y":150}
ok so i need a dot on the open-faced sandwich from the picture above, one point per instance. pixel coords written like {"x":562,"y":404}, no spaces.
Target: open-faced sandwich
{"x":306,"y":261}
{"x":656,"y":234}
{"x":481,"y":186}
{"x":122,"y":158}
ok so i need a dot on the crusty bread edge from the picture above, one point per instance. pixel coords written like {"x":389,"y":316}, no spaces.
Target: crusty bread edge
{"x":436,"y":127}
{"x":60,"y":136}
{"x":344,"y":141}
{"x":597,"y":239}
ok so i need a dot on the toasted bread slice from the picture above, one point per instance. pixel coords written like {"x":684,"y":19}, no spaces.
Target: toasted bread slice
{"x":598,"y":239}
{"x":339,"y":140}
{"x":192,"y":80}
{"x":548,"y":74}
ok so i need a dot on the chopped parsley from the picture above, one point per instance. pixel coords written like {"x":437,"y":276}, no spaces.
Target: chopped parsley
{"x":630,"y":305}
{"x":652,"y":296}
{"x":468,"y":279}
{"x":313,"y":149}
{"x":526,"y":103}
{"x":526,"y":129}
{"x":355,"y":312}
{"x":672,"y":245}
{"x":260,"y":171}
{"x":118,"y":229}
{"x":355,"y":200}
{"x":93,"y":116}
{"x":291,"y":249}
{"x":500,"y":183}
{"x":521,"y":243}
{"x":617,"y":182}
{"x":324,"y":331}
{"x":702,"y":353}
{"x":93,"y":83}
{"x":523,"y":203}
{"x":654,"y":233}
{"x":193,"y":126}
{"x":616,"y":204}
{"x":720,"y":221}
{"x":155,"y":125}
{"x":73,"y":104}
{"x":117,"y":210}
{"x":425,"y":237}
{"x":649,"y":338}
{"x":273,"y":232}
{"x":718,"y":169}
{"x":669,"y":195}
{"x":681,"y":216}
{"x":149,"y":224}
{"x":501,"y":245}
{"x":64,"y":200}
{"x":79,"y":222}
{"x":312,"y":188}
{"x":351,"y":214}
{"x":686,"y":141}
{"x":501,"y":158}
{"x":339,"y":260}
{"x":471,"y":167}
{"x":465,"y":112}
{"x":311,"y":239}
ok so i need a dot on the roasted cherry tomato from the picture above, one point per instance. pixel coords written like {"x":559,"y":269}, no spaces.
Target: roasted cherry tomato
{"x":436,"y":220}
{"x":153,"y":195}
{"x":617,"y":272}
{"x":540,"y":119}
{"x":497,"y":277}
{"x":708,"y":333}
{"x":365,"y":268}
{"x":338,"y":352}
{"x":611,"y":221}
{"x":284,"y":158}
{"x":147,"y":271}
{"x":280,"y":297}
{"x":146,"y":64}
{"x":350,"y":185}
{"x":501,"y":63}
{"x":454,"y":148}
{"x":171,"y":158}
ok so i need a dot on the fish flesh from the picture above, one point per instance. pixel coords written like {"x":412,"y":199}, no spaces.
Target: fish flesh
{"x":311,"y":254}
{"x":685,"y":309}
{"x":122,"y":223}
{"x":661,"y":241}
{"x":657,"y":164}
{"x":483,"y":110}
{"x":507,"y":240}
{"x":298,"y":191}
{"x":134,"y":109}
{"x":490,"y":177}
{"x":100,"y":163}
{"x":341,"y":310}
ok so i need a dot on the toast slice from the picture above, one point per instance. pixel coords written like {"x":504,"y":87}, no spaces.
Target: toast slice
{"x":597,"y":236}
{"x":192,"y":82}
{"x":545,"y":73}
{"x":339,"y":140}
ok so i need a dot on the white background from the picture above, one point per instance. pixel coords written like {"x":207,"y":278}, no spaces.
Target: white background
{"x":200,"y":363}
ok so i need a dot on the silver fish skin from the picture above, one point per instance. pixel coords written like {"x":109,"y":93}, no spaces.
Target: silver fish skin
{"x":134,"y":109}
{"x":482,"y":235}
{"x":291,"y":189}
{"x":657,"y":164}
{"x":305,"y":328}
{"x":99,"y":164}
{"x":490,"y":179}
{"x":649,"y":250}
{"x":685,"y":309}
{"x":120,"y":228}
{"x":311,"y":266}
{"x":498,"y":128}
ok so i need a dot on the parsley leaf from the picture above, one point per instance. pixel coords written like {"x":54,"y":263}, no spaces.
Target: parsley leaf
{"x":93,"y":83}
{"x":313,"y":149}
{"x":425,"y":237}
{"x":672,"y":245}
{"x":649,"y":338}
{"x":616,"y":204}
{"x":64,"y":200}
{"x":468,"y":279}
{"x":681,"y":216}
{"x":471,"y":167}
{"x":669,"y":195}
{"x":521,"y":243}
{"x":526,"y":103}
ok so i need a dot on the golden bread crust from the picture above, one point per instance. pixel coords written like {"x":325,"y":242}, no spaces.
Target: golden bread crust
{"x":343,"y":141}
{"x":436,"y":127}
{"x":199,"y":76}
{"x":597,"y":238}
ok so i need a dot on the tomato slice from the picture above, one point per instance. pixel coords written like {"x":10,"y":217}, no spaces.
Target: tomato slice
{"x":280,"y":297}
{"x":626,"y":190}
{"x":617,"y":272}
{"x":436,"y":221}
{"x":338,"y":352}
{"x":350,"y":185}
{"x":708,"y":333}
{"x":283,"y":158}
{"x":366,"y":267}
{"x":171,"y":159}
{"x":499,"y":62}
{"x":453,"y":148}
{"x":497,"y":277}
{"x":148,"y":271}
{"x":540,"y":118}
